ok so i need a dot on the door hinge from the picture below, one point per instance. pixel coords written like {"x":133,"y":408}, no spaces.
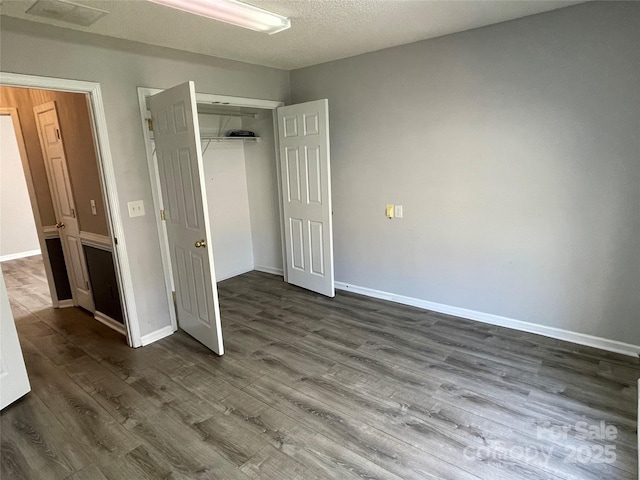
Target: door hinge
{"x":163,"y":215}
{"x":115,"y":240}
{"x":173,"y":295}
{"x":87,"y":284}
{"x":58,"y":133}
{"x":150,"y":124}
{"x":73,"y":212}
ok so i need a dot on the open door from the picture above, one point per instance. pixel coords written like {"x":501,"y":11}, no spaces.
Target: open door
{"x":52,"y":145}
{"x":14,"y":382}
{"x":303,"y":133}
{"x":177,"y":140}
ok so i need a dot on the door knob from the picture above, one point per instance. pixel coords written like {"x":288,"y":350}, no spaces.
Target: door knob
{"x":59,"y":225}
{"x":201,"y":243}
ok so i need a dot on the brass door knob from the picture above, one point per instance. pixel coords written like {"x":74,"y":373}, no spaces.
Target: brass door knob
{"x":201,"y":243}
{"x":59,"y":225}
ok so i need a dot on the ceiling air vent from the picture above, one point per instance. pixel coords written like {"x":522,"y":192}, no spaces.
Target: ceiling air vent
{"x":65,"y":11}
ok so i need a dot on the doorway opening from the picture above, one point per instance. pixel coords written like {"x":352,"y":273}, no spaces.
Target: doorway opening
{"x":105,"y":260}
{"x":58,"y":155}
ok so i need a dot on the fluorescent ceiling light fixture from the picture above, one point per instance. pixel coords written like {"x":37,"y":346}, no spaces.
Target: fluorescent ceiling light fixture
{"x":233,"y":12}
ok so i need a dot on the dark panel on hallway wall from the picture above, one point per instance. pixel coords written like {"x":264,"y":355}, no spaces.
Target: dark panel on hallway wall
{"x":59,"y":269}
{"x":103,"y":282}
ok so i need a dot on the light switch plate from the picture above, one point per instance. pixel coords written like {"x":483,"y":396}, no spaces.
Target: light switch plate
{"x":136,"y":208}
{"x":398,"y":211}
{"x":389,"y":211}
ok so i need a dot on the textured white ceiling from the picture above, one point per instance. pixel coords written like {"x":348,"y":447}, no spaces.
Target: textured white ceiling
{"x":321,"y":31}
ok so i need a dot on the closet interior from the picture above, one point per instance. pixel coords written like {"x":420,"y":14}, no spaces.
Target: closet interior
{"x":242,"y":189}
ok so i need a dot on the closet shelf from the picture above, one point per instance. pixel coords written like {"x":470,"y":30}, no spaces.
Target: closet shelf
{"x":210,"y":139}
{"x":229,"y":139}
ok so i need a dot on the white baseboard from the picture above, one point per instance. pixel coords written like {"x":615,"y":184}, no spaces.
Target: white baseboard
{"x":15,"y":256}
{"x":552,"y":332}
{"x":65,"y":303}
{"x":234,"y":273}
{"x":110,"y":322}
{"x":273,"y":271}
{"x":157,"y":335}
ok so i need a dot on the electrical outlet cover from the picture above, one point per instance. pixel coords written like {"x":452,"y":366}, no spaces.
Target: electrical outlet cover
{"x":136,"y":208}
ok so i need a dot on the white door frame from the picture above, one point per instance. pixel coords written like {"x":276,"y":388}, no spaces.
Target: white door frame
{"x":107,"y":181}
{"x":223,"y":100}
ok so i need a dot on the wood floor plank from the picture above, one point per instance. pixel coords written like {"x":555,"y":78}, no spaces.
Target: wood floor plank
{"x":233,"y":369}
{"x":443,"y":434}
{"x":618,"y":372}
{"x":148,"y":466}
{"x":301,"y":443}
{"x":367,"y":361}
{"x":53,"y":345}
{"x":186,"y":450}
{"x":572,"y":410}
{"x":42,"y":440}
{"x":91,"y":426}
{"x":335,"y":462}
{"x":271,"y":464}
{"x":310,"y":387}
{"x":90,"y":472}
{"x":123,"y":403}
{"x":161,"y":391}
{"x":231,"y":439}
{"x":13,"y":465}
{"x":199,"y":381}
{"x":398,"y":457}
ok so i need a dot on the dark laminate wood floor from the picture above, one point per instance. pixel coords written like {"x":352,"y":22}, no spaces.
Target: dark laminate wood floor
{"x":311,"y":388}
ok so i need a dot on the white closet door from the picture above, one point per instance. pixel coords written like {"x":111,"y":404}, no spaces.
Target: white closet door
{"x":177,"y":139}
{"x":303,"y":132}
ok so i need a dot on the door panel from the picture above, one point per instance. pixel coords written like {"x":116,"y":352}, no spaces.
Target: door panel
{"x":297,"y":242}
{"x":314,"y":176}
{"x":315,"y":240}
{"x":51,"y":142}
{"x":201,"y":289}
{"x":306,"y":191}
{"x":63,"y":186}
{"x":293,"y":175}
{"x":179,"y":156}
{"x":188,"y":183}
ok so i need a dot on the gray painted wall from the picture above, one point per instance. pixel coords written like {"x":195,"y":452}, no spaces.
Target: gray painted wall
{"x":515,"y":151}
{"x":120,"y":67}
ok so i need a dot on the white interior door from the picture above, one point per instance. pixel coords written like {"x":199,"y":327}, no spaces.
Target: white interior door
{"x":52,"y":145}
{"x":303,"y":133}
{"x":14,"y":382}
{"x":177,"y":139}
